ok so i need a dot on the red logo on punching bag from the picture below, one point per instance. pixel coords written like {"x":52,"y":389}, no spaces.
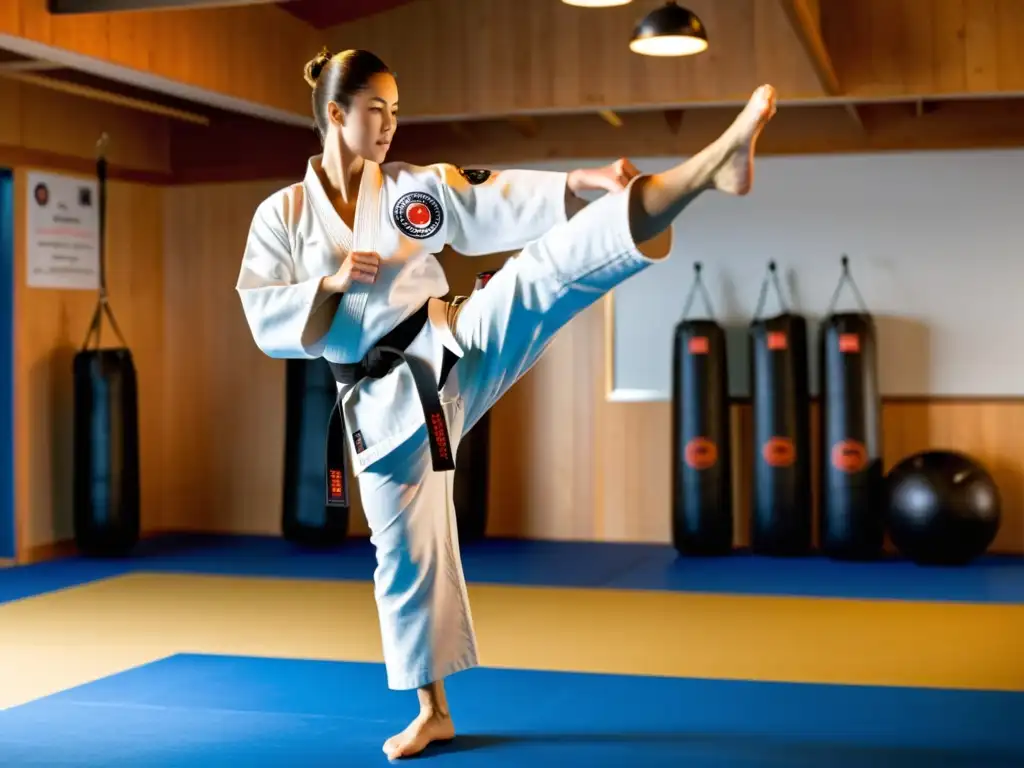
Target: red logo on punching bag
{"x":700,"y":453}
{"x":776,"y":340}
{"x":849,"y":342}
{"x":849,"y":456}
{"x":699,"y":345}
{"x":778,"y":452}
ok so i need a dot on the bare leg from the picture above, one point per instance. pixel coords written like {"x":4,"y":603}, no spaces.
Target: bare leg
{"x":727,"y":165}
{"x":434,"y":723}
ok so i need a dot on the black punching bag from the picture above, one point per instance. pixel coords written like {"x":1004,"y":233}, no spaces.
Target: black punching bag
{"x":781,"y":515}
{"x":701,"y":452}
{"x":105,"y":488}
{"x":472,"y":467}
{"x":306,"y":517}
{"x":851,"y":520}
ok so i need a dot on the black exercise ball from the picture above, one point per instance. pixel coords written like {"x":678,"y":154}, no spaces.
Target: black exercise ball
{"x":942,"y":508}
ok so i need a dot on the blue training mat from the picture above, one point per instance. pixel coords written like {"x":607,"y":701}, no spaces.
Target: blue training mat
{"x":210,"y":711}
{"x":554,"y":564}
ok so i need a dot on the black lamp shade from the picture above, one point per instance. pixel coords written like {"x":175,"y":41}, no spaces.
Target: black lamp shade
{"x":669,"y":31}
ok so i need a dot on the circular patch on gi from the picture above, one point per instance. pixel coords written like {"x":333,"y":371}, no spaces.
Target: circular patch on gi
{"x":418,"y":215}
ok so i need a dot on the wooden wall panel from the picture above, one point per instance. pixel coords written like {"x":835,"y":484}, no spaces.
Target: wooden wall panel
{"x":50,"y":328}
{"x":637,"y":466}
{"x":493,"y":57}
{"x":255,"y":52}
{"x":225,"y":398}
{"x":36,"y":122}
{"x":565,"y":464}
{"x":41,"y":129}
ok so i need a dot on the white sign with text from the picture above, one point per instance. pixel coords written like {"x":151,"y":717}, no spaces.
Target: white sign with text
{"x":63,"y":237}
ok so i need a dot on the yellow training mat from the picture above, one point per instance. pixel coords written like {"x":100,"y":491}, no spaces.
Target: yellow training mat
{"x":62,"y":639}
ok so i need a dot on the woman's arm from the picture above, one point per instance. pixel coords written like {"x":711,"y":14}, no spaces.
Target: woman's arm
{"x":495,"y":211}
{"x":288,"y":318}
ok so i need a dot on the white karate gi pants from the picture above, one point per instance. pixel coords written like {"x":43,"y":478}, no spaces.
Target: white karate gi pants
{"x":425,"y":620}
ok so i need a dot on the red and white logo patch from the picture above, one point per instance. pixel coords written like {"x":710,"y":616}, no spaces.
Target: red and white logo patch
{"x":418,"y":215}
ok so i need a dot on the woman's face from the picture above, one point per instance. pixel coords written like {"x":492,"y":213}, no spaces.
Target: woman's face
{"x":369,"y":125}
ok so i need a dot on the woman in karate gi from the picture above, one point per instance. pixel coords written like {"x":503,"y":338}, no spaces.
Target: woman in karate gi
{"x":346,"y":257}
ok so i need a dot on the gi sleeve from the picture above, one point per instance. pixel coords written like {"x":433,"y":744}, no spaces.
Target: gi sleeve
{"x":494,"y":211}
{"x":278,"y":309}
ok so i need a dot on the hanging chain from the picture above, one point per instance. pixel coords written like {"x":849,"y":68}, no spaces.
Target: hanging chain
{"x":846,"y":277}
{"x":773,"y":278}
{"x":102,"y":304}
{"x":698,"y":285}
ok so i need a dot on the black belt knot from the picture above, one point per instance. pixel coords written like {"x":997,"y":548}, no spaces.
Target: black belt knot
{"x":383,"y":357}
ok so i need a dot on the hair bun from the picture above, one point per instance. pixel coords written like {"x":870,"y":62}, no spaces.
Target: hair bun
{"x":315,"y":66}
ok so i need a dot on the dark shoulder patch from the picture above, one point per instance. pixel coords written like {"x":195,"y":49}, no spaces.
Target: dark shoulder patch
{"x":475,"y":175}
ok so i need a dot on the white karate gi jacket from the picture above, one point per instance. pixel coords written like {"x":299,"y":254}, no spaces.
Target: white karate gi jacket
{"x":406,"y":214}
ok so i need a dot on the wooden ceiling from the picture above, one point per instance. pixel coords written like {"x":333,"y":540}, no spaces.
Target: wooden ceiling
{"x":523,"y":80}
{"x":322,"y":14}
{"x":541,"y":57}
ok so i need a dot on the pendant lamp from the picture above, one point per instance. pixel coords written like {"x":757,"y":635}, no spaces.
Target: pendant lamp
{"x":669,"y":31}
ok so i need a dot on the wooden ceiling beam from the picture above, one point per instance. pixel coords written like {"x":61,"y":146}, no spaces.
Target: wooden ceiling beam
{"x":79,"y":7}
{"x":104,"y":96}
{"x":803,"y":130}
{"x":461,"y":130}
{"x":525,"y":125}
{"x":28,"y":66}
{"x":674,"y":120}
{"x":805,"y":19}
{"x":251,"y":72}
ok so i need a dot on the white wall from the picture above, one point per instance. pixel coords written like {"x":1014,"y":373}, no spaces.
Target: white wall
{"x":936,"y":246}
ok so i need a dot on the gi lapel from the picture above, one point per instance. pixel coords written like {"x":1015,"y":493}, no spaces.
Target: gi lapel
{"x":367,"y":218}
{"x":325,"y":211}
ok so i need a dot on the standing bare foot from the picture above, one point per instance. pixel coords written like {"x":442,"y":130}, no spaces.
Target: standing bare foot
{"x":736,"y":176}
{"x":426,"y":728}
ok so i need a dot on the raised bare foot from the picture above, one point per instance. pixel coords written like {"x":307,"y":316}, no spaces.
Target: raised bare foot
{"x":736,"y":176}
{"x":426,"y":728}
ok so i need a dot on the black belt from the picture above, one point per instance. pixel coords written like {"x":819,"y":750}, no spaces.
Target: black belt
{"x":386,"y":355}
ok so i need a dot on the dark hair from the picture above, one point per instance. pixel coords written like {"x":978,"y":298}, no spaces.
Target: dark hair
{"x":338,"y":78}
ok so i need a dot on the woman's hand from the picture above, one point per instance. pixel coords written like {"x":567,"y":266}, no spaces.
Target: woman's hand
{"x":358,"y":267}
{"x":610,"y":178}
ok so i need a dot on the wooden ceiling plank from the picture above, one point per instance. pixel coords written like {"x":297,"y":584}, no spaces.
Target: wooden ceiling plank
{"x":322,"y":14}
{"x":234,"y":58}
{"x":806,"y":24}
{"x":674,"y":120}
{"x":525,"y":125}
{"x":805,"y":18}
{"x":805,"y":130}
{"x":107,"y":97}
{"x":79,"y":7}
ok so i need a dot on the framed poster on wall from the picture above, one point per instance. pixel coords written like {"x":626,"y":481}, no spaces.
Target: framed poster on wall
{"x":62,"y":245}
